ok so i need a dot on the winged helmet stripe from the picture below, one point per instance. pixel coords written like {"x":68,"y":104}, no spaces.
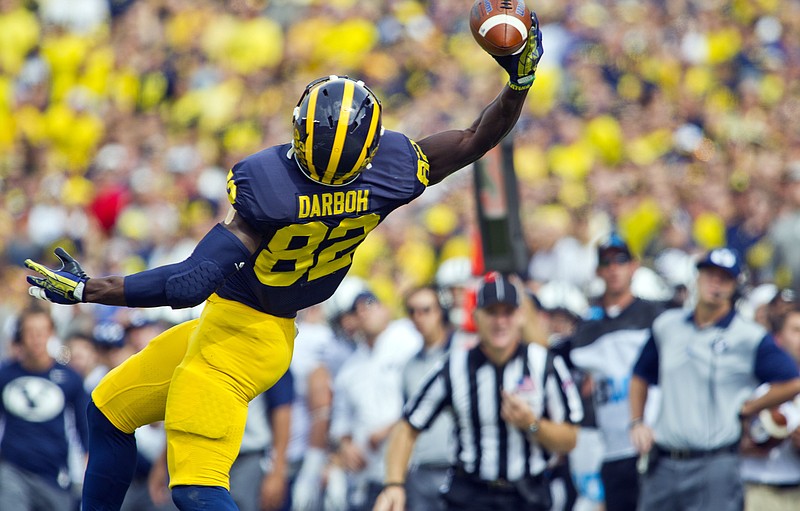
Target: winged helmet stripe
{"x":341,"y":132}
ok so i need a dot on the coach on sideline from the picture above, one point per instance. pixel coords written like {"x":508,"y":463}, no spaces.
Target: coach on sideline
{"x":707,"y":363}
{"x":510,"y":401}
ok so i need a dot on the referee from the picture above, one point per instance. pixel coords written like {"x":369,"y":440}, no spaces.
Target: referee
{"x":510,"y":402}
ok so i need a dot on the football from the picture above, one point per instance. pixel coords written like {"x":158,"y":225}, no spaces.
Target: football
{"x":500,"y":26}
{"x":775,"y":422}
{"x":769,"y":428}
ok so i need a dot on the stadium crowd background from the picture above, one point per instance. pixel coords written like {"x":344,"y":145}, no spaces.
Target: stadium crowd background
{"x":672,"y":121}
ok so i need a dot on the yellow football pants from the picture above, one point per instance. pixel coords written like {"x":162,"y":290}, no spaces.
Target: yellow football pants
{"x":198,"y":377}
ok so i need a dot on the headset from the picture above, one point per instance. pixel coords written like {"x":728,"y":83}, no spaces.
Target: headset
{"x":442,"y":300}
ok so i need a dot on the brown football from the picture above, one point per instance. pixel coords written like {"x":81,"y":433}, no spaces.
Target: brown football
{"x":769,"y":428}
{"x":778,"y":417}
{"x":500,"y":26}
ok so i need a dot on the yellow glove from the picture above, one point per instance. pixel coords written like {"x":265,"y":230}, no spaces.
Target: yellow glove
{"x":64,"y":285}
{"x":521,"y":67}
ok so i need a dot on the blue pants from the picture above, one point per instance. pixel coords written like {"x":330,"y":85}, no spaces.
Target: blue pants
{"x":700,"y":484}
{"x":621,"y":484}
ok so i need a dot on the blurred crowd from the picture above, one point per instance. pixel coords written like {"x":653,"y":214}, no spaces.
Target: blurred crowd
{"x":672,"y":122}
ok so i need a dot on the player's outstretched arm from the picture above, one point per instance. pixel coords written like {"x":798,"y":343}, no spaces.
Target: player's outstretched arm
{"x":450,"y":151}
{"x":222,"y":252}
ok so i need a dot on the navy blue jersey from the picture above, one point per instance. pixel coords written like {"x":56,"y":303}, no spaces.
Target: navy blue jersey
{"x":36,"y":409}
{"x":607,"y":347}
{"x":309,"y":230}
{"x":282,"y":393}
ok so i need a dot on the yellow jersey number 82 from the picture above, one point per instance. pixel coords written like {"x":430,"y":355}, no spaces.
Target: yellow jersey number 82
{"x":309,"y":258}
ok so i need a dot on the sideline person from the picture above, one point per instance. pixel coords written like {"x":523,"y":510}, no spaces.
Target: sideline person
{"x":707,"y":363}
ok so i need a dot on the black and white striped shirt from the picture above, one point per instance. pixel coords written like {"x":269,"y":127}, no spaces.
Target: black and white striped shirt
{"x":469,"y":386}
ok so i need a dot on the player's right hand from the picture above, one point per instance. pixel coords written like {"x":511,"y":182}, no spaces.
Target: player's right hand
{"x":521,"y":67}
{"x":64,"y":285}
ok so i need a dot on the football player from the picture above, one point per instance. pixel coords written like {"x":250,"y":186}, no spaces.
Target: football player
{"x":299,"y":211}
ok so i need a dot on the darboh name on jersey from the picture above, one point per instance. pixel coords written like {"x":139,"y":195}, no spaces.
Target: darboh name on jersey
{"x":332,"y":203}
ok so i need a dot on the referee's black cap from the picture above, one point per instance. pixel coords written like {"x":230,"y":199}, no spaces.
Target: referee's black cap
{"x":496,"y":289}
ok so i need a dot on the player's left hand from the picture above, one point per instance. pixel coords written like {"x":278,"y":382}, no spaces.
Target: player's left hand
{"x":64,"y":285}
{"x":521,"y":67}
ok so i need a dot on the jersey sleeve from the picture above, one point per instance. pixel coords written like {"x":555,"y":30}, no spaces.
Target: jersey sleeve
{"x":400,"y":171}
{"x":772,"y":364}
{"x":646,"y":366}
{"x":242,"y":193}
{"x":430,"y":399}
{"x":262,"y":188}
{"x":423,"y":168}
{"x":562,"y":396}
{"x":282,"y":393}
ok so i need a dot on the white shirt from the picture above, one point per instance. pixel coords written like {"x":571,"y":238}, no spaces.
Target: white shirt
{"x":368,"y":392}
{"x":310,"y":346}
